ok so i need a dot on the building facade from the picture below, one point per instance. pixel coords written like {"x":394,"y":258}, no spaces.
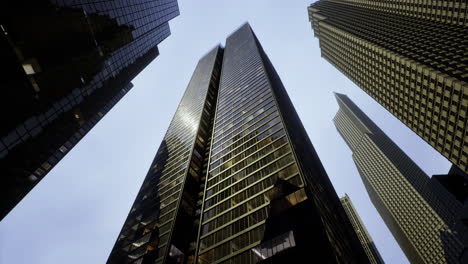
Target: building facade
{"x":409,"y":56}
{"x":361,"y":231}
{"x":169,"y":193}
{"x":66,"y":64}
{"x":400,"y":190}
{"x":452,"y":191}
{"x":246,"y":185}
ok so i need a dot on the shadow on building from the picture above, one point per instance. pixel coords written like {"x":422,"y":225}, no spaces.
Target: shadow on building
{"x":294,"y":232}
{"x":452,"y":191}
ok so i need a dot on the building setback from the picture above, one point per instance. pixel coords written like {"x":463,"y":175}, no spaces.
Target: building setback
{"x":66,"y":64}
{"x":361,"y":231}
{"x":236,"y":178}
{"x":400,"y":190}
{"x":409,"y":56}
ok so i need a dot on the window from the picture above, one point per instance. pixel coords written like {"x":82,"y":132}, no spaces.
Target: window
{"x":28,"y":69}
{"x":275,"y":245}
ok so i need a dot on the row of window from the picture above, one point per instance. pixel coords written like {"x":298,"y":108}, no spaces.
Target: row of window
{"x":243,"y":168}
{"x":241,"y":89}
{"x":239,"y":185}
{"x":248,"y":134}
{"x":240,"y":242}
{"x":227,"y":204}
{"x":250,"y":154}
{"x":245,"y":150}
{"x":246,"y":77}
{"x":236,"y":164}
{"x":262,"y":103}
{"x":222,"y":184}
{"x":246,"y":103}
{"x":234,"y":228}
{"x":247,"y":122}
{"x":426,"y":9}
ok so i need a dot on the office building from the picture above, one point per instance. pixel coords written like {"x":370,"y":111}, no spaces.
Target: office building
{"x":66,"y":64}
{"x":361,"y":231}
{"x":399,"y":190}
{"x":452,"y":191}
{"x":236,"y":178}
{"x":410,"y":56}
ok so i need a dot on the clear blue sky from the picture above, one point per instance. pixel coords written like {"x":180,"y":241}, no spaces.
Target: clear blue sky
{"x":75,"y":214}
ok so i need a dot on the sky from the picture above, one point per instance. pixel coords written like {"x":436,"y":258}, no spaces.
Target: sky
{"x":76,"y":212}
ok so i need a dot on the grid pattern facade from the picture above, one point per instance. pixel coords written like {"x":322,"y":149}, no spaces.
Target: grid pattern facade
{"x":451,"y":11}
{"x":68,"y":62}
{"x":399,"y":189}
{"x":250,"y":152}
{"x":257,"y":205}
{"x":361,"y":231}
{"x":412,"y":63}
{"x":146,"y":234}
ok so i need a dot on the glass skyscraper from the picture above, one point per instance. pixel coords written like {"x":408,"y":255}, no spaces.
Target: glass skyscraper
{"x":236,"y":178}
{"x":361,"y":231}
{"x":66,"y":63}
{"x":410,"y":56}
{"x":426,"y":230}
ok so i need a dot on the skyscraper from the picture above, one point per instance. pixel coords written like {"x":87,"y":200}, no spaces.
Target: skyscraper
{"x":410,"y":56}
{"x":66,"y":63}
{"x":452,"y":191}
{"x":400,"y":190}
{"x":361,"y":231}
{"x":236,"y":178}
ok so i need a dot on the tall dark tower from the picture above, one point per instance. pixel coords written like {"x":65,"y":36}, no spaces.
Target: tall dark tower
{"x":410,"y":56}
{"x":66,"y":64}
{"x":426,"y":229}
{"x":236,"y":179}
{"x":159,"y":225}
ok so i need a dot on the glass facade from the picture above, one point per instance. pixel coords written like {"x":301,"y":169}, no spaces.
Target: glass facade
{"x":361,"y":231}
{"x":244,"y":192}
{"x":426,"y":230}
{"x":169,"y":193}
{"x":66,"y":64}
{"x":410,"y":56}
{"x":250,"y":153}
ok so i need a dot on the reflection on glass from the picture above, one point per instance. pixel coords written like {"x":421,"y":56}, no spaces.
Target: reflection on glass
{"x":275,"y":245}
